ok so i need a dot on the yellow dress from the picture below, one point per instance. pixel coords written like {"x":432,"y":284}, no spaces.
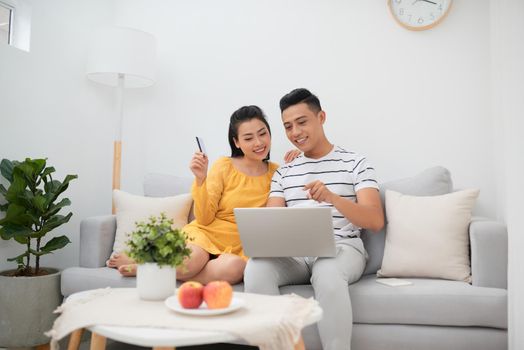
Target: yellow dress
{"x":225,"y":188}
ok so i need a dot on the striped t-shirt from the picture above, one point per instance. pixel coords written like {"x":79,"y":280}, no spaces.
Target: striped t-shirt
{"x":343,"y":172}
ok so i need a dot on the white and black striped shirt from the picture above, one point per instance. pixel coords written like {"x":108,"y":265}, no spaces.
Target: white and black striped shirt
{"x":343,"y":172}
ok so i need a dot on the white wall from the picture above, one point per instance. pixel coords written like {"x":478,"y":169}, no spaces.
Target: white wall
{"x":408,"y":100}
{"x":49,"y":109}
{"x":507,"y":48}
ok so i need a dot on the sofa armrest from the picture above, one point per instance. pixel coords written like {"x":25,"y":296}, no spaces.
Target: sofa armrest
{"x":489,"y":253}
{"x":97,"y":235}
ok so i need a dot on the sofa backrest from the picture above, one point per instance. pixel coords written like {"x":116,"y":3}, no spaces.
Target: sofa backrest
{"x":162,"y":185}
{"x":431,"y":182}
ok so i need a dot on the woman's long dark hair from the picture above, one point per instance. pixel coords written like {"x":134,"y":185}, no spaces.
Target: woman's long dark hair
{"x":241,"y":115}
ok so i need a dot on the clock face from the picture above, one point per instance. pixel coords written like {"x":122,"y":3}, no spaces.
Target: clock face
{"x":419,"y":14}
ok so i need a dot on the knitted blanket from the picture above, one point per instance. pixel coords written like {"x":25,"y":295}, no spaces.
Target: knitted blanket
{"x":269,"y":322}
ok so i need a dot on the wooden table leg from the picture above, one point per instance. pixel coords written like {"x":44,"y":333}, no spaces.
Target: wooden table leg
{"x":43,"y":347}
{"x":74,"y":339}
{"x":300,"y":344}
{"x":98,"y":342}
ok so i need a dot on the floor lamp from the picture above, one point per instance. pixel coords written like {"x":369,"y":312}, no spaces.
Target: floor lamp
{"x":122,"y":58}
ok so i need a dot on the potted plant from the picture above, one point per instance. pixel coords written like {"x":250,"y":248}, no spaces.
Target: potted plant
{"x":31,"y":207}
{"x":158,"y":249}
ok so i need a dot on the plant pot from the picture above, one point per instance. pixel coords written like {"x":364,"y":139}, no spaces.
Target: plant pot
{"x":26,"y":308}
{"x":155,"y":282}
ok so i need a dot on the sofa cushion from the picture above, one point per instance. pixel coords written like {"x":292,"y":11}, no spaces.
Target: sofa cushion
{"x":430,"y":182}
{"x":131,"y":209}
{"x":425,"y":302}
{"x":427,"y":236}
{"x":78,"y":279}
{"x":430,"y":302}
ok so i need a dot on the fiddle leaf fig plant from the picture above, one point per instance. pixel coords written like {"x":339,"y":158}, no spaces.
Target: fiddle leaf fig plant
{"x":155,"y":241}
{"x":31,"y":210}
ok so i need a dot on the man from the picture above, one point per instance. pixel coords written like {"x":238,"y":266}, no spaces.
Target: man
{"x":325,"y":176}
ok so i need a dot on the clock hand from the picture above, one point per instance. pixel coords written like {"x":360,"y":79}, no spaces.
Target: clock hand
{"x":431,"y":2}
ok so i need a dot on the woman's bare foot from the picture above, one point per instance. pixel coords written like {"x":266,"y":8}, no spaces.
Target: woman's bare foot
{"x":119,"y":259}
{"x":128,"y":270}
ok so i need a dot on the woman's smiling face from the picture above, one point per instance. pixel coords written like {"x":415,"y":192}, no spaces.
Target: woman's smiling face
{"x":253,"y":139}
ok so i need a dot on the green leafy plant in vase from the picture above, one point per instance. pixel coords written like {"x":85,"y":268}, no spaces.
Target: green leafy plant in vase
{"x":32,"y":211}
{"x":158,"y":249}
{"x":32,"y":206}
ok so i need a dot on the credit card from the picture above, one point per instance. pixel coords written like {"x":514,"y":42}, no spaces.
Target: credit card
{"x":200,"y":144}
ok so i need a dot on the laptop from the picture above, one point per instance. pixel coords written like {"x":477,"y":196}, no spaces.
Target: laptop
{"x":286,"y":232}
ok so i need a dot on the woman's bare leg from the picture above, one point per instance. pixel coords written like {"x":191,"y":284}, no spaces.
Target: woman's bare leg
{"x":226,"y":267}
{"x":192,"y":265}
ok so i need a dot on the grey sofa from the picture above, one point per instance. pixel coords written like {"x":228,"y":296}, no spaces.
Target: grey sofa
{"x":430,"y":314}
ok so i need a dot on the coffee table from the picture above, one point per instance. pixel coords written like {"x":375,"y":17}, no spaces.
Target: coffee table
{"x":163,"y":338}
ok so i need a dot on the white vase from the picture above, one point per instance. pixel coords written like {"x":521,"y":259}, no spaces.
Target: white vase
{"x":155,"y":282}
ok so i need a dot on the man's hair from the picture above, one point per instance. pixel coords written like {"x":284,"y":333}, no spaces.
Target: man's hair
{"x":242,"y":115}
{"x":300,"y":95}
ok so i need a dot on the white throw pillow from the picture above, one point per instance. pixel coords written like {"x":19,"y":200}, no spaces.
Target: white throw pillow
{"x":428,"y":236}
{"x":131,"y":209}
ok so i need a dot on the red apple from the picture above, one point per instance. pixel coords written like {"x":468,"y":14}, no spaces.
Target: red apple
{"x":218,"y":294}
{"x":190,"y":294}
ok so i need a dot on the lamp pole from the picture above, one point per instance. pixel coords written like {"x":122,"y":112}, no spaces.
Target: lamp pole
{"x":117,"y":144}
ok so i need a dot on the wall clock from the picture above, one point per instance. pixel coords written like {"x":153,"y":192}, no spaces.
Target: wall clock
{"x":419,"y":14}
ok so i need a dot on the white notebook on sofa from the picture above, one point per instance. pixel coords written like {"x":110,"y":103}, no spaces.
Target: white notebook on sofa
{"x":394,"y":282}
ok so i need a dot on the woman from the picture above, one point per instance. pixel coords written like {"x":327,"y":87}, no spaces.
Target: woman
{"x":242,"y":180}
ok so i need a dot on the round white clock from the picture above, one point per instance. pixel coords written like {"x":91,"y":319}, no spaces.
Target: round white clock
{"x":419,"y":14}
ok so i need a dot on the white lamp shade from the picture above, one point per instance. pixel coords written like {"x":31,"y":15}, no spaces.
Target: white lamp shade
{"x":126,"y":51}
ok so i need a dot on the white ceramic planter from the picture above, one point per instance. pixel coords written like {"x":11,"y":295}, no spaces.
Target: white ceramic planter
{"x":155,"y":282}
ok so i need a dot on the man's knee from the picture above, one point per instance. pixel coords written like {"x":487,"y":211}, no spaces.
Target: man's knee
{"x":329,"y":289}
{"x":255,"y":269}
{"x":257,"y":274}
{"x":330,"y":278}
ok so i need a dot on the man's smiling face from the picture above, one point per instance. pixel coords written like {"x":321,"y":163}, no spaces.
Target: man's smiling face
{"x":303,"y":126}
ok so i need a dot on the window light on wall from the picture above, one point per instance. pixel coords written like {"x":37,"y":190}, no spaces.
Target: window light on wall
{"x":6,"y":23}
{"x":15,"y":23}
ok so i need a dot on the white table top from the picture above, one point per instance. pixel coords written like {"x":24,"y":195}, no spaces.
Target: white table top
{"x":151,"y":337}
